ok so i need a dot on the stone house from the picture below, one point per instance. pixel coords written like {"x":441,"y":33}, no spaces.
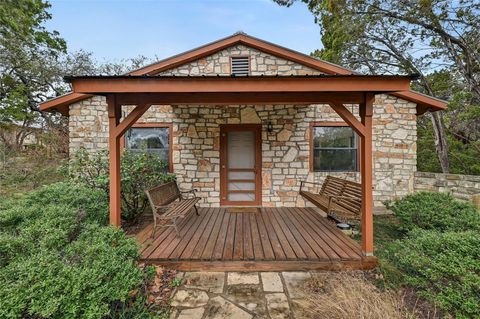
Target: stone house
{"x":298,"y":141}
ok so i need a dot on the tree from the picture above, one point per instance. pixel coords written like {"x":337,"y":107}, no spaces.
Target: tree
{"x":33,"y":62}
{"x":28,"y":57}
{"x":422,"y":37}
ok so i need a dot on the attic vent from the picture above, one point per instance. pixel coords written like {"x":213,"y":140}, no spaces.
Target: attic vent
{"x":240,"y":65}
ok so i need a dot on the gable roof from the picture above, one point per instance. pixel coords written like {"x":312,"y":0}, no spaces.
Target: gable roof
{"x":424,"y":102}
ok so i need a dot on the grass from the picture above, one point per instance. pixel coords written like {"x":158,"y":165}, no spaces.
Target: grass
{"x":24,"y":171}
{"x":351,"y":295}
{"x":386,"y":230}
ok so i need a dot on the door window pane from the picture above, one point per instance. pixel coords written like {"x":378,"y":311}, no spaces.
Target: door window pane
{"x":241,"y":175}
{"x":241,"y":186}
{"x":241,"y":149}
{"x":335,"y":149}
{"x":241,"y":197}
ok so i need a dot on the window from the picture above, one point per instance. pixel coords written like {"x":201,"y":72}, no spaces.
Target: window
{"x":240,"y":65}
{"x":334,"y":148}
{"x":152,"y":138}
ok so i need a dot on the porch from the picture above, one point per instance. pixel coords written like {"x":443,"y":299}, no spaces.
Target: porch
{"x":270,"y":239}
{"x":338,"y":91}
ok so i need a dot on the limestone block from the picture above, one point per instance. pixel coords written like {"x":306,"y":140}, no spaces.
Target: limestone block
{"x":284,"y":135}
{"x":249,"y":115}
{"x":243,"y":278}
{"x":271,"y":282}
{"x":290,"y":155}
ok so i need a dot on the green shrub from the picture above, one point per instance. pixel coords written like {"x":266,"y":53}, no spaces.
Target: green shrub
{"x":443,"y":267}
{"x":436,"y":211}
{"x":58,"y":261}
{"x":139,"y":171}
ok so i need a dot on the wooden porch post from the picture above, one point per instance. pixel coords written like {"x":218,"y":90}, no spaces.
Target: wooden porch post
{"x":116,"y":129}
{"x":366,"y":171}
{"x":114,"y":113}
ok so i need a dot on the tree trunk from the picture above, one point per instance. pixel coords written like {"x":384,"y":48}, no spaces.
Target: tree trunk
{"x":440,"y":138}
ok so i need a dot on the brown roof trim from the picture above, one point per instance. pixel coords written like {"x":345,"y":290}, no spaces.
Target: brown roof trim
{"x":243,"y":77}
{"x":61,"y":103}
{"x":425,"y":103}
{"x":243,"y":84}
{"x":241,"y":38}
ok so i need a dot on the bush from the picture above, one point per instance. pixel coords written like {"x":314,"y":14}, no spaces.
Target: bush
{"x":444,"y":267}
{"x":436,"y":211}
{"x":139,"y":171}
{"x":58,"y":261}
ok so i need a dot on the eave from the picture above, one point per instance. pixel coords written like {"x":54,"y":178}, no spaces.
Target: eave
{"x":425,"y":103}
{"x":102,"y":85}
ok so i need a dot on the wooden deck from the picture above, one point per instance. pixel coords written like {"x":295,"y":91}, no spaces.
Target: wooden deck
{"x":271,"y":239}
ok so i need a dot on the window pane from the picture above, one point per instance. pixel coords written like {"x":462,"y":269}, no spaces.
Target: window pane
{"x":148,"y":138}
{"x":333,"y":136}
{"x":335,"y":160}
{"x":153,"y":140}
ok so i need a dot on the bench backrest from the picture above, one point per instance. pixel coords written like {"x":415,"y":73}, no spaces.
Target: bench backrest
{"x":163,"y":195}
{"x":334,"y":186}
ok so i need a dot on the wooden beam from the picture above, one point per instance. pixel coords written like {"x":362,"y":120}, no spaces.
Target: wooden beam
{"x":214,"y":85}
{"x":114,"y":113}
{"x":349,"y":118}
{"x":366,"y":170}
{"x":131,"y":118}
{"x":228,"y":98}
{"x":366,"y":263}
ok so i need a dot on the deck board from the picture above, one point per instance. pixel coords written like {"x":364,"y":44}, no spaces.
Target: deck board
{"x":271,"y":239}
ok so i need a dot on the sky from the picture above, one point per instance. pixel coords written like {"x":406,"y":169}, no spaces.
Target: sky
{"x":120,"y":29}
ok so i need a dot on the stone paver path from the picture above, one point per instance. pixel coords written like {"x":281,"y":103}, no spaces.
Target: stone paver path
{"x":240,"y":295}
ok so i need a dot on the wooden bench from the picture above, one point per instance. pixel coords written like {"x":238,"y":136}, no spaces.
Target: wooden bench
{"x":339,"y":198}
{"x":169,"y":204}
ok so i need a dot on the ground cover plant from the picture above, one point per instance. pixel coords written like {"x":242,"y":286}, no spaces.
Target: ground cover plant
{"x":443,"y":267}
{"x":59,"y":260}
{"x":432,"y":245}
{"x":435,"y":211}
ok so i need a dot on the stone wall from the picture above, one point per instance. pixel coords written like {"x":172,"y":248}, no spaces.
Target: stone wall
{"x":260,"y":63}
{"x":461,"y":186}
{"x":88,"y":125}
{"x":285,"y":150}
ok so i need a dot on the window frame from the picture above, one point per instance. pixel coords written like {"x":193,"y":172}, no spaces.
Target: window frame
{"x":312,"y":145}
{"x":154,"y":125}
{"x":241,"y":56}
